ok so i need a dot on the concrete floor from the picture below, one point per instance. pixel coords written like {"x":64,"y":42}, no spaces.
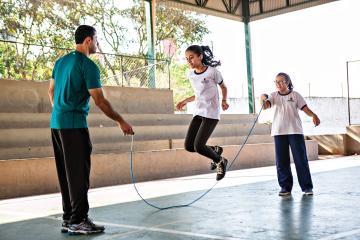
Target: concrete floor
{"x":244,"y":205}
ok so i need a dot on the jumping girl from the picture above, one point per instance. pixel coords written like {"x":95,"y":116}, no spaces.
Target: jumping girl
{"x":287,"y":130}
{"x":205,"y":78}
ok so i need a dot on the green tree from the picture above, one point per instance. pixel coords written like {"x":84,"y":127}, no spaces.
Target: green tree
{"x":53,"y":22}
{"x":179,"y":82}
{"x":171,"y":23}
{"x":50,"y":22}
{"x":126,"y":29}
{"x":106,"y":14}
{"x":7,"y":60}
{"x":183,"y":27}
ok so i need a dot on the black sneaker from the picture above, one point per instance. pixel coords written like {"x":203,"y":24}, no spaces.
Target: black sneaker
{"x":283,"y":192}
{"x":85,"y":227}
{"x":221,"y":169}
{"x":219,"y":151}
{"x":65,"y":226}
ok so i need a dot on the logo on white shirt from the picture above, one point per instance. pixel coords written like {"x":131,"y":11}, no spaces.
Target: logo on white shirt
{"x":206,"y":80}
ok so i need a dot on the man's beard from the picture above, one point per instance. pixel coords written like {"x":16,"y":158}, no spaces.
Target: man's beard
{"x":92,"y":50}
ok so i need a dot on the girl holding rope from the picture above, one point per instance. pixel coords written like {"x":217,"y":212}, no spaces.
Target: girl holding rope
{"x":287,"y":131}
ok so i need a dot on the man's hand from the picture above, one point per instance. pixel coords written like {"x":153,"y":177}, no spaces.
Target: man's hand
{"x":126,"y":128}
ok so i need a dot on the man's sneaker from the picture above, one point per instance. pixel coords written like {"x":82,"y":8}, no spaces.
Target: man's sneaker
{"x":65,"y":226}
{"x":308,"y":192}
{"x":284,"y":193}
{"x":85,"y":227}
{"x":219,"y":151}
{"x":221,"y":168}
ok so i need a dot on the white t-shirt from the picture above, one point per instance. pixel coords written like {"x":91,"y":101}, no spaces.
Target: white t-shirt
{"x":286,"y":117}
{"x":206,"y":90}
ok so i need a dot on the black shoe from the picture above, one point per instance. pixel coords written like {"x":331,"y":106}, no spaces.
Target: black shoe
{"x":65,"y":226}
{"x":283,"y":192}
{"x":212,"y":166}
{"x":85,"y":227}
{"x":221,"y":169}
{"x":219,"y":151}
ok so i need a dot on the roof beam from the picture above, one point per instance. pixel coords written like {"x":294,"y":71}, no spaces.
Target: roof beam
{"x":246,"y":11}
{"x":201,"y":3}
{"x":261,"y":6}
{"x":230,"y":8}
{"x":237,"y":5}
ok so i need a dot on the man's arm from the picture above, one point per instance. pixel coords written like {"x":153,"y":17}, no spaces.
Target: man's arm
{"x":105,"y":107}
{"x":51,"y":92}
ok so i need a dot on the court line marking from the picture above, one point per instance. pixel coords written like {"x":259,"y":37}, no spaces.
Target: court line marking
{"x":163,"y":230}
{"x":124,"y":234}
{"x":341,"y":235}
{"x":157,"y":229}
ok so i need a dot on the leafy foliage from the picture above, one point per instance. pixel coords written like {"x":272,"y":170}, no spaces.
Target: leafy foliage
{"x":53,"y":22}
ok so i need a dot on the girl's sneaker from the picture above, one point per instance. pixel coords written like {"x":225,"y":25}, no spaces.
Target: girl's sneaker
{"x":221,"y":169}
{"x":219,"y":151}
{"x":283,"y":192}
{"x":308,"y":192}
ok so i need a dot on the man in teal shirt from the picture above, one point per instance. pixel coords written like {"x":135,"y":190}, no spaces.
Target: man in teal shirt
{"x":75,"y":78}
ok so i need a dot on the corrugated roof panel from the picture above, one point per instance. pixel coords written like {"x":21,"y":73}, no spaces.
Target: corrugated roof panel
{"x":213,"y":7}
{"x":271,"y":5}
{"x":298,"y":1}
{"x":259,"y":9}
{"x":295,"y":5}
{"x":255,"y":8}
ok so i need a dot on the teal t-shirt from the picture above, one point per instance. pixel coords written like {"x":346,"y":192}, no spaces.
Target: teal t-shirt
{"x":73,"y":75}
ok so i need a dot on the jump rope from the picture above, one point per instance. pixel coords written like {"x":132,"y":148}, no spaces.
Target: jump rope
{"x":133,"y":179}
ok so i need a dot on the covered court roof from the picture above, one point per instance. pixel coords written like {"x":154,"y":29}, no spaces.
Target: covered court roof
{"x":234,"y":9}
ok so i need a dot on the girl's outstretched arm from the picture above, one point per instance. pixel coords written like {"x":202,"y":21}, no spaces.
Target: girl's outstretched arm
{"x":182,"y":103}
{"x":310,"y":113}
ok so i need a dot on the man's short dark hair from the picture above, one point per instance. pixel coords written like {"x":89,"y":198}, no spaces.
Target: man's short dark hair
{"x":82,"y":32}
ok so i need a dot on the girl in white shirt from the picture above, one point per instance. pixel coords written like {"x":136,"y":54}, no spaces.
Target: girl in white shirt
{"x":205,"y":78}
{"x":287,"y":131}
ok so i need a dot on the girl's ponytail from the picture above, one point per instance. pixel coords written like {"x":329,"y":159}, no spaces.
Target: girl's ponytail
{"x":205,"y":51}
{"x":208,"y":57}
